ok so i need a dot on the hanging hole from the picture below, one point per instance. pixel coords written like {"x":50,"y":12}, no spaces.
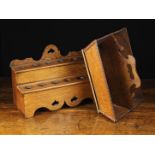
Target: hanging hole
{"x":130,"y":71}
{"x":74,"y":99}
{"x":51,"y":51}
{"x":55,"y":103}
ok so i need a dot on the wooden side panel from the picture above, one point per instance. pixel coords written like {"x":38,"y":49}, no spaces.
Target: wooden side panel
{"x":14,"y":83}
{"x":98,"y":80}
{"x":20,"y":101}
{"x":18,"y":98}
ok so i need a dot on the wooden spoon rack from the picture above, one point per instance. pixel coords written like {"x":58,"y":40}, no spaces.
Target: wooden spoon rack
{"x":49,"y":82}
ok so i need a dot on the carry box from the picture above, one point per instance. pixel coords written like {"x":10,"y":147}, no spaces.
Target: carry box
{"x":111,"y":68}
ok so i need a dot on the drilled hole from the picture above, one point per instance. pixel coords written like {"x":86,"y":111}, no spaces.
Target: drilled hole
{"x":41,"y":84}
{"x":80,"y":77}
{"x":55,"y":82}
{"x":20,"y":68}
{"x":28,"y":87}
{"x":66,"y":80}
{"x":35,"y":65}
{"x":51,"y":51}
{"x":47,"y":62}
{"x":130,"y":71}
{"x":55,"y":103}
{"x":74,"y":99}
{"x":74,"y":59}
{"x":60,"y":60}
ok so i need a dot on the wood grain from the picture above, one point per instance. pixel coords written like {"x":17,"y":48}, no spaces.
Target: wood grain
{"x":114,"y":78}
{"x":50,"y":82}
{"x":79,"y":120}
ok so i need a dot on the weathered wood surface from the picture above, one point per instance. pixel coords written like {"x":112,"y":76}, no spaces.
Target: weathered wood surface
{"x":50,"y":82}
{"x":80,"y":120}
{"x":114,"y":79}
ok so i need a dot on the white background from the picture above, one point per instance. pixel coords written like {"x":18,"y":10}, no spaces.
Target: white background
{"x":77,"y":145}
{"x":77,"y":9}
